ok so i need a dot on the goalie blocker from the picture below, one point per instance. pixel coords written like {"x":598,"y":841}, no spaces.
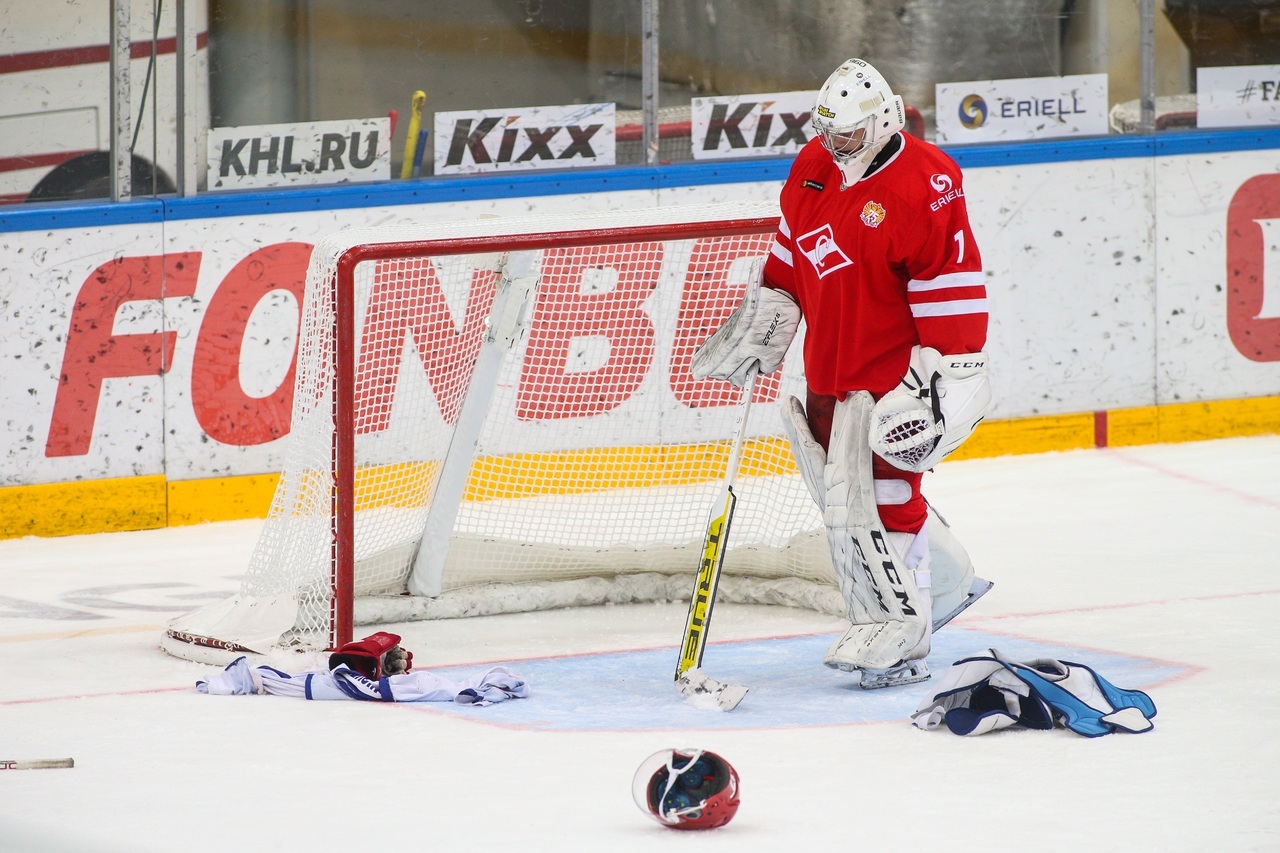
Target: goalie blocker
{"x":757,"y":334}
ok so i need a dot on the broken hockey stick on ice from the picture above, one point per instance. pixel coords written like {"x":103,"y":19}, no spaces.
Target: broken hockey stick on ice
{"x":36,"y":763}
{"x":690,"y":679}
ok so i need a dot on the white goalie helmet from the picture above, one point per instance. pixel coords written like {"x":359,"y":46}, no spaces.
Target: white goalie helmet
{"x":855,"y":116}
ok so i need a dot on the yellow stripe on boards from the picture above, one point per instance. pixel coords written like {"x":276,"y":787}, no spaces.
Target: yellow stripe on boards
{"x":83,"y":506}
{"x":220,"y":498}
{"x":1216,"y":419}
{"x":1027,"y":435}
{"x":141,"y":503}
{"x":601,"y":469}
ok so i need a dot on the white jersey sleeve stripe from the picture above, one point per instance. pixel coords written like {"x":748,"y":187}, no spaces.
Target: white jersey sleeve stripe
{"x":781,"y":253}
{"x":949,"y":309}
{"x":955,"y":279}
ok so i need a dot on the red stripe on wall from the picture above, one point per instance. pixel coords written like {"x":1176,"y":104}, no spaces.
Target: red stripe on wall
{"x":1100,"y":429}
{"x":36,"y":161}
{"x":670,"y":130}
{"x":69,"y":57}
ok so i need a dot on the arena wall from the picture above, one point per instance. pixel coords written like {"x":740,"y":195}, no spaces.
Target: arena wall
{"x":1134,"y":289}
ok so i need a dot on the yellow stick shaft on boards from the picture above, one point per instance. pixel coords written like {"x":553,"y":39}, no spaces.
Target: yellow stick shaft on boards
{"x":411,"y":134}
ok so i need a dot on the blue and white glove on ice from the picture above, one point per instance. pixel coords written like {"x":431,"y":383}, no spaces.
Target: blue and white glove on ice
{"x":986,"y":693}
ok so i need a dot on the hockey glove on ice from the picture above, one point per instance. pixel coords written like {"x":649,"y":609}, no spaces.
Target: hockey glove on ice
{"x":985,"y":693}
{"x":375,"y":656}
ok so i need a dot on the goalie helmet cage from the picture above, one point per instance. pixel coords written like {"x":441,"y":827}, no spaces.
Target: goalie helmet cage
{"x":498,"y":415}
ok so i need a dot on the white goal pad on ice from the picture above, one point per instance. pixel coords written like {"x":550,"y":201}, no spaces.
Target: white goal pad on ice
{"x":498,"y":416}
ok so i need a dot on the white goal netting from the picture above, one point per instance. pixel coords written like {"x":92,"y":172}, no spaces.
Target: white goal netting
{"x":458,"y":472}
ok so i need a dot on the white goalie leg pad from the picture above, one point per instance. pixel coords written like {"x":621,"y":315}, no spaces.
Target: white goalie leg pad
{"x":917,"y":558}
{"x":955,"y":583}
{"x":811,"y":459}
{"x":952,"y":569}
{"x":890,"y":616}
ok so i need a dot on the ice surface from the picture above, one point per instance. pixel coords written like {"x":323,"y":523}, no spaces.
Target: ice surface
{"x":1159,"y":566}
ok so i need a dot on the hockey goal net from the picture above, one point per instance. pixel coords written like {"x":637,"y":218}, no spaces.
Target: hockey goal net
{"x":499,"y":416}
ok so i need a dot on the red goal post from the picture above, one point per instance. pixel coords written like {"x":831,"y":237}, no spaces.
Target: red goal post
{"x":497,"y":415}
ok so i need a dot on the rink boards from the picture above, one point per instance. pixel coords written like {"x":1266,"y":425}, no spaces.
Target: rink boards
{"x":1134,"y":289}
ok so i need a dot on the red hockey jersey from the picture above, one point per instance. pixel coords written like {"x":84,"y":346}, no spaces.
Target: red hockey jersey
{"x":879,"y":267}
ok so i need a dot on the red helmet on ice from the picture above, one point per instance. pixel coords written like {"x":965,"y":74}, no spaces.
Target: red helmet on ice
{"x":687,"y":789}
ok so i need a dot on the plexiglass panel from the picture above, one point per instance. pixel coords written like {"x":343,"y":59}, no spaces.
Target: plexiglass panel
{"x":56,"y":125}
{"x":287,"y":93}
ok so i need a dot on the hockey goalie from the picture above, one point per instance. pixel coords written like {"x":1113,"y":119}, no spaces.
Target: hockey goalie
{"x":875,"y":253}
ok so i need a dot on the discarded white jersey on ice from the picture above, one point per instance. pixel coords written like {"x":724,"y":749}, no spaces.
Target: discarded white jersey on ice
{"x":495,"y":684}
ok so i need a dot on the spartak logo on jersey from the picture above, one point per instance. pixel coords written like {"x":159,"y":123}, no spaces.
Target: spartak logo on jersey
{"x":872,"y":214}
{"x":820,"y":247}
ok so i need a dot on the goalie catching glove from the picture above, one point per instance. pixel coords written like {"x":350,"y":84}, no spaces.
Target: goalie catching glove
{"x":373,"y":657}
{"x":933,"y":410}
{"x":758,"y":331}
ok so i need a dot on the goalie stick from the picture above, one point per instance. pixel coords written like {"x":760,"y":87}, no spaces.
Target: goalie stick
{"x":690,"y":679}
